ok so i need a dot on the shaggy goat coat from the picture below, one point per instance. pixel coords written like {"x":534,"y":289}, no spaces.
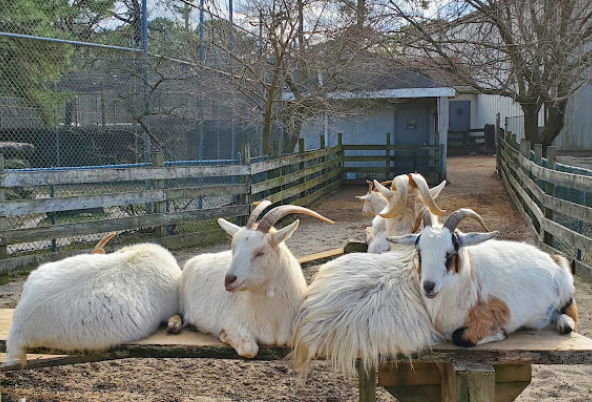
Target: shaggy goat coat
{"x":94,"y":302}
{"x":363,"y":306}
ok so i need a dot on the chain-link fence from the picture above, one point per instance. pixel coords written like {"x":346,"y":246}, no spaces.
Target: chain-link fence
{"x":101,"y":84}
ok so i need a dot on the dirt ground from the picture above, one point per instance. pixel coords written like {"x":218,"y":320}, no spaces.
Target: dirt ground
{"x":471,"y":183}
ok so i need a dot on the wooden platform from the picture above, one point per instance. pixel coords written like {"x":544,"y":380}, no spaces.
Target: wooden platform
{"x":443,"y":365}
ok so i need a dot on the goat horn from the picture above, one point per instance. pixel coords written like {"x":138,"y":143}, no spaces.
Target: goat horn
{"x":457,"y":216}
{"x":259,"y":208}
{"x":270,"y":218}
{"x":424,"y":192}
{"x":386,"y":183}
{"x":423,"y":216}
{"x":369,"y":186}
{"x":398,"y":198}
{"x":99,"y":247}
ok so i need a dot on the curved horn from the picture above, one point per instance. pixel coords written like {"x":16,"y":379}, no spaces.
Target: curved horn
{"x":398,"y":198}
{"x":423,"y":216}
{"x":99,"y":247}
{"x":270,"y":218}
{"x":457,"y":216}
{"x":369,"y":186}
{"x":386,"y":183}
{"x":424,"y":191}
{"x":259,"y":208}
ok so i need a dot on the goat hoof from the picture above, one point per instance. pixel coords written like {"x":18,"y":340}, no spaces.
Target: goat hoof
{"x":174,"y":325}
{"x":565,"y":324}
{"x":458,"y":337}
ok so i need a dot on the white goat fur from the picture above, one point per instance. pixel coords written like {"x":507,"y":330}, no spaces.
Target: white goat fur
{"x":374,"y":202}
{"x":260,"y":305}
{"x":400,"y":224}
{"x":95,"y":301}
{"x":365,"y":306}
{"x":534,"y":286}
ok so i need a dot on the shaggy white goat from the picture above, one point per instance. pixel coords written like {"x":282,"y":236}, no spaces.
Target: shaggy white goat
{"x":94,"y":302}
{"x":263,"y":280}
{"x":478,"y":291}
{"x":407,"y":195}
{"x":368,"y":306}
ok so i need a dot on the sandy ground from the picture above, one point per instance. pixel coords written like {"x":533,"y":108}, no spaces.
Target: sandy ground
{"x":472,"y":183}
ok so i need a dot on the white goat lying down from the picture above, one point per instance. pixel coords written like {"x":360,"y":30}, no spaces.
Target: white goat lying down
{"x":478,"y":291}
{"x":368,"y":306}
{"x":407,"y":195}
{"x":95,"y":301}
{"x":263,"y":280}
{"x":374,"y":202}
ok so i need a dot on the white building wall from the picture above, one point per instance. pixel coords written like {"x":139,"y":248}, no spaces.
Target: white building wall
{"x":577,"y":131}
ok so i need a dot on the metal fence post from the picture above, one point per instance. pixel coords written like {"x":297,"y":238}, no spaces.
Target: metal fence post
{"x":245,"y":159}
{"x":388,"y":156}
{"x":3,"y":220}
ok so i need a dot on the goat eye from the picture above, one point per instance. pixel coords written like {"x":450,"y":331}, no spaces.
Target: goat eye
{"x":451,"y":261}
{"x":259,"y":253}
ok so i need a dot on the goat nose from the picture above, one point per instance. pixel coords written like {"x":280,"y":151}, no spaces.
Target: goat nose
{"x":428,"y":287}
{"x":229,"y":279}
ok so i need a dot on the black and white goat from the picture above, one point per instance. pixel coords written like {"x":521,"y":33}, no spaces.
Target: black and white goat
{"x":478,"y":290}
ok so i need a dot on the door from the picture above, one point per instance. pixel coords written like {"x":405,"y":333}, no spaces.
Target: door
{"x":459,"y":115}
{"x":413,"y":127}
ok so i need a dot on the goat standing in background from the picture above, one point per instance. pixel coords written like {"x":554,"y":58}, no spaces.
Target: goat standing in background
{"x":478,"y":291}
{"x":252,"y":293}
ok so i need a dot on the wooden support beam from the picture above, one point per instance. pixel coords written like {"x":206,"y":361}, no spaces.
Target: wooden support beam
{"x":467,"y":382}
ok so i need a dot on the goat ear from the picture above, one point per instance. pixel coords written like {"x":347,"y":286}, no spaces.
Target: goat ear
{"x":471,"y":239}
{"x":228,"y":227}
{"x":362,"y":197}
{"x":388,"y":193}
{"x":407,"y":240}
{"x":284,"y":233}
{"x":435,"y":191}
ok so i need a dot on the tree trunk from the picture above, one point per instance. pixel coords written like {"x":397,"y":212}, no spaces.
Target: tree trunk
{"x":554,"y":123}
{"x":292,"y":133}
{"x":531,"y":123}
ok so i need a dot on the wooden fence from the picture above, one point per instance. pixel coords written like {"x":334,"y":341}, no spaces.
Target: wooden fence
{"x":298,"y":178}
{"x":178,"y":204}
{"x":367,"y":162}
{"x":545,"y":197}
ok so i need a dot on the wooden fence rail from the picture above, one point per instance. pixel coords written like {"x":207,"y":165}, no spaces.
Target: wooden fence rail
{"x":532,"y":182}
{"x":169,"y":199}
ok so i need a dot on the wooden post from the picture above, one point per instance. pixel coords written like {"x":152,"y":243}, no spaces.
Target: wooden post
{"x":340,"y":145}
{"x":322,"y":142}
{"x":467,"y":382}
{"x":550,"y":190}
{"x":388,"y":157}
{"x":302,"y":165}
{"x":366,"y":384}
{"x":245,"y":199}
{"x":159,"y":207}
{"x":3,"y":220}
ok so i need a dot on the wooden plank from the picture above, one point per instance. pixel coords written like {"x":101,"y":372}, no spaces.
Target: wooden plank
{"x":292,"y":178}
{"x":417,"y":373}
{"x":527,"y":346}
{"x":383,"y":147}
{"x":563,"y":179}
{"x":576,"y":211}
{"x":567,"y":236}
{"x":43,"y":205}
{"x":296,"y":190}
{"x":107,"y":175}
{"x":583,"y":271}
{"x":205,"y":191}
{"x":309,"y":199}
{"x":320,"y":258}
{"x":533,"y":207}
{"x":117,"y":224}
{"x":185,"y":240}
{"x":288,"y":160}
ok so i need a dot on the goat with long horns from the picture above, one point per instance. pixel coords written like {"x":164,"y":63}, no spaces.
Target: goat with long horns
{"x":250,"y":294}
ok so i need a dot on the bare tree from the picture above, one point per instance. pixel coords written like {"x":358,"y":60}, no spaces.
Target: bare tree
{"x":536,"y":52}
{"x":279,"y":64}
